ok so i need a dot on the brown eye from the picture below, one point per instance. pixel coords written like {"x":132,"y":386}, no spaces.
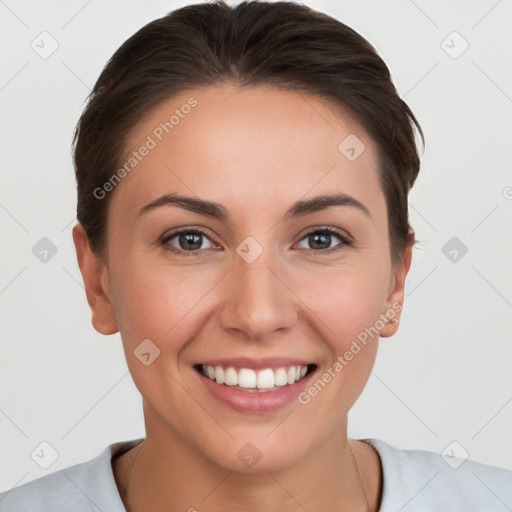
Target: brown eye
{"x":321,"y":240}
{"x":189,"y":240}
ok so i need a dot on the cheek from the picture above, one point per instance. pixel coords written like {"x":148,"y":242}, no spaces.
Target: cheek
{"x":347,"y":307}
{"x":348,"y":299}
{"x":156,"y":301}
{"x":167,"y":302}
{"x":349,"y":304}
{"x":160,"y":304}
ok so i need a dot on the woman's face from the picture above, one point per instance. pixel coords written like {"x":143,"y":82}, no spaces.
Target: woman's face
{"x":254,"y":284}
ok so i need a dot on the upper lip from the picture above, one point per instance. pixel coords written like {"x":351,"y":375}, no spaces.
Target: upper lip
{"x":256,"y":364}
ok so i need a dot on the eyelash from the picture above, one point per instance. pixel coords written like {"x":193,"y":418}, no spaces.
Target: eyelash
{"x":345,"y":240}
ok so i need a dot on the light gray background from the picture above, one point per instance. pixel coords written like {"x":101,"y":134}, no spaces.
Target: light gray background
{"x":444,"y":377}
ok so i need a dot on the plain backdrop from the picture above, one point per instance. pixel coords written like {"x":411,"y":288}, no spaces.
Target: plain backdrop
{"x":444,"y":378}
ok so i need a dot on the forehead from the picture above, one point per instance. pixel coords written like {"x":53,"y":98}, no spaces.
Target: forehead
{"x":229,"y":143}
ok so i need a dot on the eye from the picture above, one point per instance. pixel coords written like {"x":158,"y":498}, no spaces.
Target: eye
{"x":193,"y":240}
{"x":187,"y":240}
{"x":321,"y":239}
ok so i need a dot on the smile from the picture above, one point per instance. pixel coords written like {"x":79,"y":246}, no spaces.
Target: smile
{"x":255,"y":386}
{"x":247,"y":379}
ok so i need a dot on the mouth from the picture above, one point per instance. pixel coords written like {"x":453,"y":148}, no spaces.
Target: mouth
{"x":251,"y":380}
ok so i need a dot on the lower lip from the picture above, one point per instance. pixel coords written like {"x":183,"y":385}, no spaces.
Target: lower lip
{"x":255,"y":402}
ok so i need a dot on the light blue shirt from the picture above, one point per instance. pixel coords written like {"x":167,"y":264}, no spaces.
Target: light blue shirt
{"x":413,"y":480}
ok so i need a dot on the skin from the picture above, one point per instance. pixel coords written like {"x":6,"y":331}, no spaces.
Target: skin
{"x":255,"y":151}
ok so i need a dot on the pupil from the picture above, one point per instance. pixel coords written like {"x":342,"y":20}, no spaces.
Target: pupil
{"x":321,"y":238}
{"x":190,"y":239}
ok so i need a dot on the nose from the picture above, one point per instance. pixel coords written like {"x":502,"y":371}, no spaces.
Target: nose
{"x":259,"y":299}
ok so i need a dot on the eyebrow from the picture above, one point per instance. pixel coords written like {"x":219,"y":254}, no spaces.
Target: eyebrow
{"x":217,"y":211}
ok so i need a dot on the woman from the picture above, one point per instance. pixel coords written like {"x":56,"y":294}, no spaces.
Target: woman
{"x":242,"y":178}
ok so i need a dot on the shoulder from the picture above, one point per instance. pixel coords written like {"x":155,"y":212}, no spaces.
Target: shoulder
{"x":86,"y":486}
{"x":422,"y":480}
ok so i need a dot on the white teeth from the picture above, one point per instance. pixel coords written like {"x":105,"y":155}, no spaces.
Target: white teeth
{"x":231,"y":377}
{"x":247,"y":378}
{"x":265,"y":379}
{"x":254,"y":380}
{"x":280,"y":377}
{"x":219,"y":375}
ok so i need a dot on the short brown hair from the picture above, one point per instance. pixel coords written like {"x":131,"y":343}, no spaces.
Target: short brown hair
{"x":283,"y":44}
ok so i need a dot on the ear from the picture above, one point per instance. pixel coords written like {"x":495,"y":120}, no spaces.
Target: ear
{"x":395,"y":300}
{"x":96,"y":281}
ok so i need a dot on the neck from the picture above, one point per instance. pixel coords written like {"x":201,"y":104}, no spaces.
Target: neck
{"x":166,"y":473}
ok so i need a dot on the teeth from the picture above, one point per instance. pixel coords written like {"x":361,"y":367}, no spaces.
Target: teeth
{"x":265,"y":379}
{"x":251,"y":379}
{"x":219,"y":374}
{"x":247,"y":378}
{"x":280,"y":377}
{"x":231,"y":377}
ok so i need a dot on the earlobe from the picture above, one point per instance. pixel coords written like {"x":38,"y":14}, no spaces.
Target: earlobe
{"x":395,"y":300}
{"x":95,"y":276}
